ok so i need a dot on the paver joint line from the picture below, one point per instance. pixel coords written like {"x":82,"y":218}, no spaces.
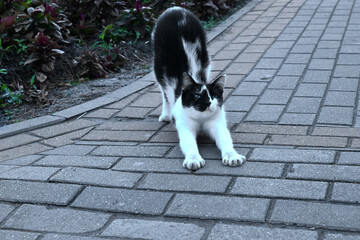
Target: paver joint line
{"x":292,"y":101}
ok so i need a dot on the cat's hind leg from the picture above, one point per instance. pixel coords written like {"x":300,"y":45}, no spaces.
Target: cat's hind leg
{"x":167,"y":99}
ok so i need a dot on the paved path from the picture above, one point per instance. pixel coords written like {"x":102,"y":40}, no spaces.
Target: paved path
{"x":108,"y":170}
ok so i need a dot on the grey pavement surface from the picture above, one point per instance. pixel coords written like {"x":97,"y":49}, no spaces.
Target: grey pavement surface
{"x":106,"y":169}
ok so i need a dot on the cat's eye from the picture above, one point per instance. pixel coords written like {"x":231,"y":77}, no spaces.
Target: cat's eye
{"x":197,"y":96}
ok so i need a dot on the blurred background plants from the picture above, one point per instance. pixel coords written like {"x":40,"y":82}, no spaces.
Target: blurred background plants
{"x":44,"y":43}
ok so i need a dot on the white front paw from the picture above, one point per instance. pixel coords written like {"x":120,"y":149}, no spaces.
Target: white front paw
{"x":233,"y":159}
{"x":165,"y":118}
{"x":193,"y":162}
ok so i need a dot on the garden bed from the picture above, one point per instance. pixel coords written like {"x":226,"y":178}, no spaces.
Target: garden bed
{"x":57,"y":54}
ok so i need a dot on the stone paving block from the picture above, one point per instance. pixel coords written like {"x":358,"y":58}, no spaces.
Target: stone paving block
{"x":271,"y":129}
{"x":131,"y":151}
{"x":317,"y":76}
{"x":256,"y":48}
{"x":351,"y":158}
{"x":123,"y":102}
{"x":310,"y":141}
{"x":276,"y":53}
{"x":326,"y":53}
{"x":306,"y":48}
{"x":325,"y":172}
{"x":336,"y":131}
{"x":344,"y":84}
{"x":29,"y":173}
{"x":297,"y":119}
{"x":123,"y":200}
{"x":86,"y":106}
{"x":5,"y":210}
{"x":193,"y":183}
{"x":282,"y":82}
{"x":349,"y":59}
{"x":339,"y":236}
{"x":304,"y":105}
{"x":239,"y":232}
{"x":283,"y":44}
{"x":150,"y":165}
{"x":239,"y":68}
{"x":250,"y":89}
{"x":207,"y":152}
{"x":279,"y":188}
{"x":310,"y":90}
{"x":70,"y":150}
{"x":131,"y":136}
{"x":63,"y":128}
{"x":292,"y":70}
{"x":76,"y":161}
{"x":248,"y":57}
{"x":40,"y":218}
{"x":232,"y":81}
{"x":346,"y":192}
{"x":235,"y":117}
{"x":350,"y":49}
{"x":225,"y":55}
{"x":275,"y":96}
{"x":260,"y":75}
{"x":269,"y":63}
{"x":218,"y":207}
{"x":69,"y":237}
{"x":298,"y":58}
{"x":67,"y":138}
{"x":328,"y":44}
{"x":239,"y":103}
{"x":133,"y":112}
{"x":97,"y":177}
{"x":131,"y":126}
{"x":292,"y":155}
{"x":151,"y":229}
{"x":21,"y":151}
{"x":235,"y":47}
{"x":348,"y":71}
{"x":102,"y":113}
{"x":219,"y":65}
{"x":317,"y":214}
{"x":10,"y":130}
{"x":344,"y":99}
{"x":336,"y":115}
{"x":165,"y":137}
{"x":37,"y":192}
{"x":265,"y":113}
{"x":26,"y":160}
{"x":15,"y":235}
{"x":249,"y":138}
{"x":148,"y":100}
{"x":17,"y":140}
{"x":211,"y":167}
{"x":5,"y":168}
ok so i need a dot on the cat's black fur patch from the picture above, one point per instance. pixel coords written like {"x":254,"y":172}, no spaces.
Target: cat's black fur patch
{"x":170,"y":59}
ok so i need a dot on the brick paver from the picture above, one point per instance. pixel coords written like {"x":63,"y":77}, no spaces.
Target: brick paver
{"x":107,"y":169}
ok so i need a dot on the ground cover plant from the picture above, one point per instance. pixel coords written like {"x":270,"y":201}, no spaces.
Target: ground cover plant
{"x":45,"y":44}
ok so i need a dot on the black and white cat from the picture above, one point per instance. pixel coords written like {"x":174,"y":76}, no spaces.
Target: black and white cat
{"x":182,"y":69}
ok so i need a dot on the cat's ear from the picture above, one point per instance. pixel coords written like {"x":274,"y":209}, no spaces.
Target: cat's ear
{"x":187,"y":81}
{"x":219,"y":82}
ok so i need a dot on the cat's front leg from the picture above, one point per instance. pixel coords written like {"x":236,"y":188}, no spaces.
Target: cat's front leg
{"x":222,"y":137}
{"x":188,"y":145}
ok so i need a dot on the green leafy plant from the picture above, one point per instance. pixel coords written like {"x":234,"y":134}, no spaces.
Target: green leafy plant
{"x":8,"y":97}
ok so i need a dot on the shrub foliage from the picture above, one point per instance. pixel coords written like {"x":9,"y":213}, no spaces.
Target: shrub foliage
{"x":35,"y":34}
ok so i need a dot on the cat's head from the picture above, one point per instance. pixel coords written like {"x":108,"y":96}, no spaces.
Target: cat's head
{"x":202,"y":97}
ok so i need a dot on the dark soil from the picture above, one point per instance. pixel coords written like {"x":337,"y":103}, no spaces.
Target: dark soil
{"x":64,"y":91}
